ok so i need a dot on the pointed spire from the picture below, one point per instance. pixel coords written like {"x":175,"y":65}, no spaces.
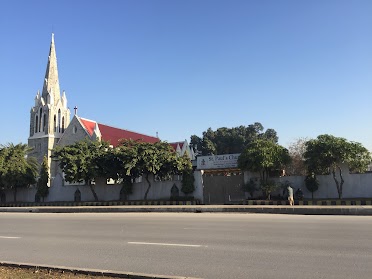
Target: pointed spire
{"x":51,"y":82}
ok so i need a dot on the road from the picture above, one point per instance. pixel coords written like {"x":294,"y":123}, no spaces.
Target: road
{"x":207,"y":245}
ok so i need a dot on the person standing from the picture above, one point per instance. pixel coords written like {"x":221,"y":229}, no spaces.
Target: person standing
{"x":290,"y":195}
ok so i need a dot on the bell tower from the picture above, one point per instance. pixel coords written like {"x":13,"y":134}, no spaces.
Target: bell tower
{"x":50,"y":116}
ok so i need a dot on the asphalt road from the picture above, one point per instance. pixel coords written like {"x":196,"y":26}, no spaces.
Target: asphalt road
{"x":207,"y":245}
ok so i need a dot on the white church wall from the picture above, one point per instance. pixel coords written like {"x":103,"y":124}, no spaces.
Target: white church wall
{"x":160,"y":190}
{"x":23,"y":194}
{"x":73,"y":133}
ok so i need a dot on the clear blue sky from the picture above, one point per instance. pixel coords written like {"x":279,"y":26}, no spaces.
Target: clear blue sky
{"x":303,"y":68}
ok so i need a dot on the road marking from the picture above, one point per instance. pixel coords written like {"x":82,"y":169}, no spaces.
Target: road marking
{"x":166,"y":244}
{"x":9,"y":237}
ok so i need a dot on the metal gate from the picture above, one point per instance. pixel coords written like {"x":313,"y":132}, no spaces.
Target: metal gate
{"x":221,"y":187}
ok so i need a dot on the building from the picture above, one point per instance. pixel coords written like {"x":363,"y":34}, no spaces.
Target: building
{"x":51,"y":126}
{"x":50,"y":115}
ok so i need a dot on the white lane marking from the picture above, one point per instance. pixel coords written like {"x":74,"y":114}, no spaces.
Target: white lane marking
{"x":166,"y":244}
{"x":10,"y":237}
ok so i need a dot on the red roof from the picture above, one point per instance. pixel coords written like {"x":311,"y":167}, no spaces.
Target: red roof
{"x":114,"y":135}
{"x":174,"y":144}
{"x":89,"y":125}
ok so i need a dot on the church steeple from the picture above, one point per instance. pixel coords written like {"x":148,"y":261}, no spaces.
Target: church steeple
{"x":50,"y":116}
{"x":51,"y":92}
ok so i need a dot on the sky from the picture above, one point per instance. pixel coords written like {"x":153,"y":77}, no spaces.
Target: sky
{"x":176,"y":68}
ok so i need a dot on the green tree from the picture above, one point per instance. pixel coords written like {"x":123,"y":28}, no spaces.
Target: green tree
{"x":230,"y":140}
{"x":159,"y":159}
{"x":269,"y":187}
{"x":124,"y":165}
{"x":312,"y":183}
{"x":133,"y":159}
{"x":17,"y":170}
{"x":126,"y":188}
{"x":250,"y":187}
{"x":328,"y":153}
{"x":264,"y":156}
{"x":82,"y":162}
{"x":188,"y":180}
{"x":42,"y":183}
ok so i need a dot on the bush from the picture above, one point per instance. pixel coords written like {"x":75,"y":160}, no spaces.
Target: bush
{"x":188,"y":182}
{"x":312,"y":184}
{"x":268,"y":187}
{"x":249,"y":187}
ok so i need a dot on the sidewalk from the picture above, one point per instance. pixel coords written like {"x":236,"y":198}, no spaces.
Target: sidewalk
{"x":364,"y":210}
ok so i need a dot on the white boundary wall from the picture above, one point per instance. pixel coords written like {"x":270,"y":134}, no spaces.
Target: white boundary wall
{"x":355,"y":185}
{"x":160,"y":190}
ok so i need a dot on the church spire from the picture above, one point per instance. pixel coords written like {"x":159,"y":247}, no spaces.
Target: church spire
{"x":51,"y":92}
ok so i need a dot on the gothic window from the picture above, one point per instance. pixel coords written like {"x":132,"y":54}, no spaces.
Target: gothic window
{"x":55,"y":123}
{"x":77,"y":196}
{"x":175,"y":192}
{"x":40,"y":115}
{"x":44,"y":122}
{"x":59,"y":121}
{"x":36,"y":124}
{"x":63,"y":124}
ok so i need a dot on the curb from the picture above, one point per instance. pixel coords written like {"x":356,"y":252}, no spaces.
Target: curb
{"x":93,"y":272}
{"x":100,"y":203}
{"x":320,"y":202}
{"x":268,"y":209}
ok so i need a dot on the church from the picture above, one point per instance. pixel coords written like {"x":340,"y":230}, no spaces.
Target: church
{"x":51,"y":125}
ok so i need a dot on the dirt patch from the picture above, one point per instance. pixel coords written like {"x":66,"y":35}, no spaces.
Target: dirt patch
{"x":32,"y":273}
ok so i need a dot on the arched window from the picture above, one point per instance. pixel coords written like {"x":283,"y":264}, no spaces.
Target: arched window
{"x":40,"y":115}
{"x":44,"y":122}
{"x":63,"y":124}
{"x":55,"y":123}
{"x":77,"y":196}
{"x":59,"y":121}
{"x":36,"y":124}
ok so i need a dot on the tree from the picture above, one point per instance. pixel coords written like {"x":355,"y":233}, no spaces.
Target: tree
{"x":328,"y":153}
{"x":230,"y":140}
{"x":138,"y":158}
{"x":296,"y":151}
{"x":161,"y":160}
{"x":124,"y":165}
{"x":269,"y":187}
{"x":264,"y":156}
{"x":312,"y":183}
{"x":42,"y":183}
{"x":250,"y":187}
{"x":81,"y":161}
{"x":17,"y":170}
{"x":188,"y":181}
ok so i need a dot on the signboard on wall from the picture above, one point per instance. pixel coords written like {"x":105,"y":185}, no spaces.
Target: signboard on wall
{"x":226,"y":161}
